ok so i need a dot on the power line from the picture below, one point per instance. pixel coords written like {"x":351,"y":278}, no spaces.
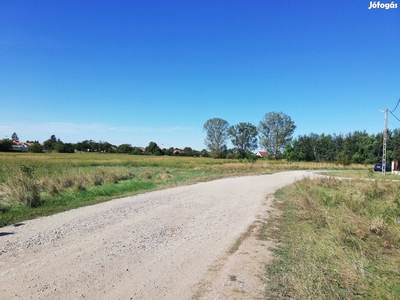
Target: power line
{"x":394,"y":115}
{"x":395,"y":107}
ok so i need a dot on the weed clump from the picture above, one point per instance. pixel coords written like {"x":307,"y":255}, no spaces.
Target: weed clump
{"x":146,"y":175}
{"x":162,"y":176}
{"x":98,"y":180}
{"x":79,"y":185}
{"x":22,"y":188}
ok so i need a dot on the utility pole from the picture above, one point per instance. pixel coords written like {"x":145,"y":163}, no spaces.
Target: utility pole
{"x":384,"y":142}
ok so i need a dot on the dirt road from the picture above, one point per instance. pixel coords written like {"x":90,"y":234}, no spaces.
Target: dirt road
{"x":158,"y":245}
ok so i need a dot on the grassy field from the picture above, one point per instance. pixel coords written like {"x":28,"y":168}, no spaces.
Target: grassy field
{"x":338,"y":239}
{"x":33,"y":185}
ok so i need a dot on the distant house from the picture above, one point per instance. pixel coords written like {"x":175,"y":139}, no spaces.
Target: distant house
{"x":31,"y":143}
{"x":261,"y":154}
{"x":19,"y":146}
{"x":178,"y":151}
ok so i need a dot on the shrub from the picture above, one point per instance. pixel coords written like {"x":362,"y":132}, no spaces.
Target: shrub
{"x":5,"y":145}
{"x":36,"y":148}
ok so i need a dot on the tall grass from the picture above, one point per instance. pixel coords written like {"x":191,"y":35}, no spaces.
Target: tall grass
{"x":22,"y":188}
{"x":55,"y":164}
{"x":340,"y":239}
{"x":61,"y":176}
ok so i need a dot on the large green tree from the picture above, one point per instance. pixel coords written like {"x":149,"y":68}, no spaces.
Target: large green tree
{"x":153,"y":149}
{"x":124,"y":148}
{"x":312,"y":147}
{"x":188,"y":151}
{"x":243,"y":137}
{"x":216,"y":130}
{"x":276,"y":129}
{"x":51,"y":143}
{"x":326,"y":148}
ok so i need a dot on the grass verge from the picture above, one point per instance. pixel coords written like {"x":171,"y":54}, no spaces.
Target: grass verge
{"x":366,"y":173}
{"x":338,"y":239}
{"x":82,"y":192}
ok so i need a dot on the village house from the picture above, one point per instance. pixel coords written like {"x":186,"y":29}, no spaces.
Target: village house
{"x":261,"y":154}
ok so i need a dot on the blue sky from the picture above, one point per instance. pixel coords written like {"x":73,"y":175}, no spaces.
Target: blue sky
{"x":141,"y":71}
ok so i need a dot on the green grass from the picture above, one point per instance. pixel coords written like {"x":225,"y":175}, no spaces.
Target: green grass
{"x":82,"y":193}
{"x":338,"y":239}
{"x":74,"y":199}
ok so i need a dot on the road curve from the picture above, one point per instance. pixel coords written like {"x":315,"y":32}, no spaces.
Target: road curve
{"x":156,"y":245}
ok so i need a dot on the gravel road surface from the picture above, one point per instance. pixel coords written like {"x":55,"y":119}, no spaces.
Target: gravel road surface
{"x":157,"y":245}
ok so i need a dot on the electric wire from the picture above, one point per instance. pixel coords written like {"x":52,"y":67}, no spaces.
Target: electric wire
{"x":396,"y":106}
{"x":395,"y":116}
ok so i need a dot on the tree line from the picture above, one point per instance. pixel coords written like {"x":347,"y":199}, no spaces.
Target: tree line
{"x":55,"y":144}
{"x":356,"y":147}
{"x":273,"y":134}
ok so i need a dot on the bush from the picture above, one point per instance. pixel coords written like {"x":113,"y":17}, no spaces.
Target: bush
{"x":205,"y":153}
{"x":36,"y":148}
{"x":251,"y":157}
{"x":5,"y":145}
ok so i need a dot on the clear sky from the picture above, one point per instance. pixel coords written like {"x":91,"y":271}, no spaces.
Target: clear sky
{"x":141,"y":71}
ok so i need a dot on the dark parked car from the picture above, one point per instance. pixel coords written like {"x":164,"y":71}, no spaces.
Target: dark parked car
{"x":378,"y":167}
